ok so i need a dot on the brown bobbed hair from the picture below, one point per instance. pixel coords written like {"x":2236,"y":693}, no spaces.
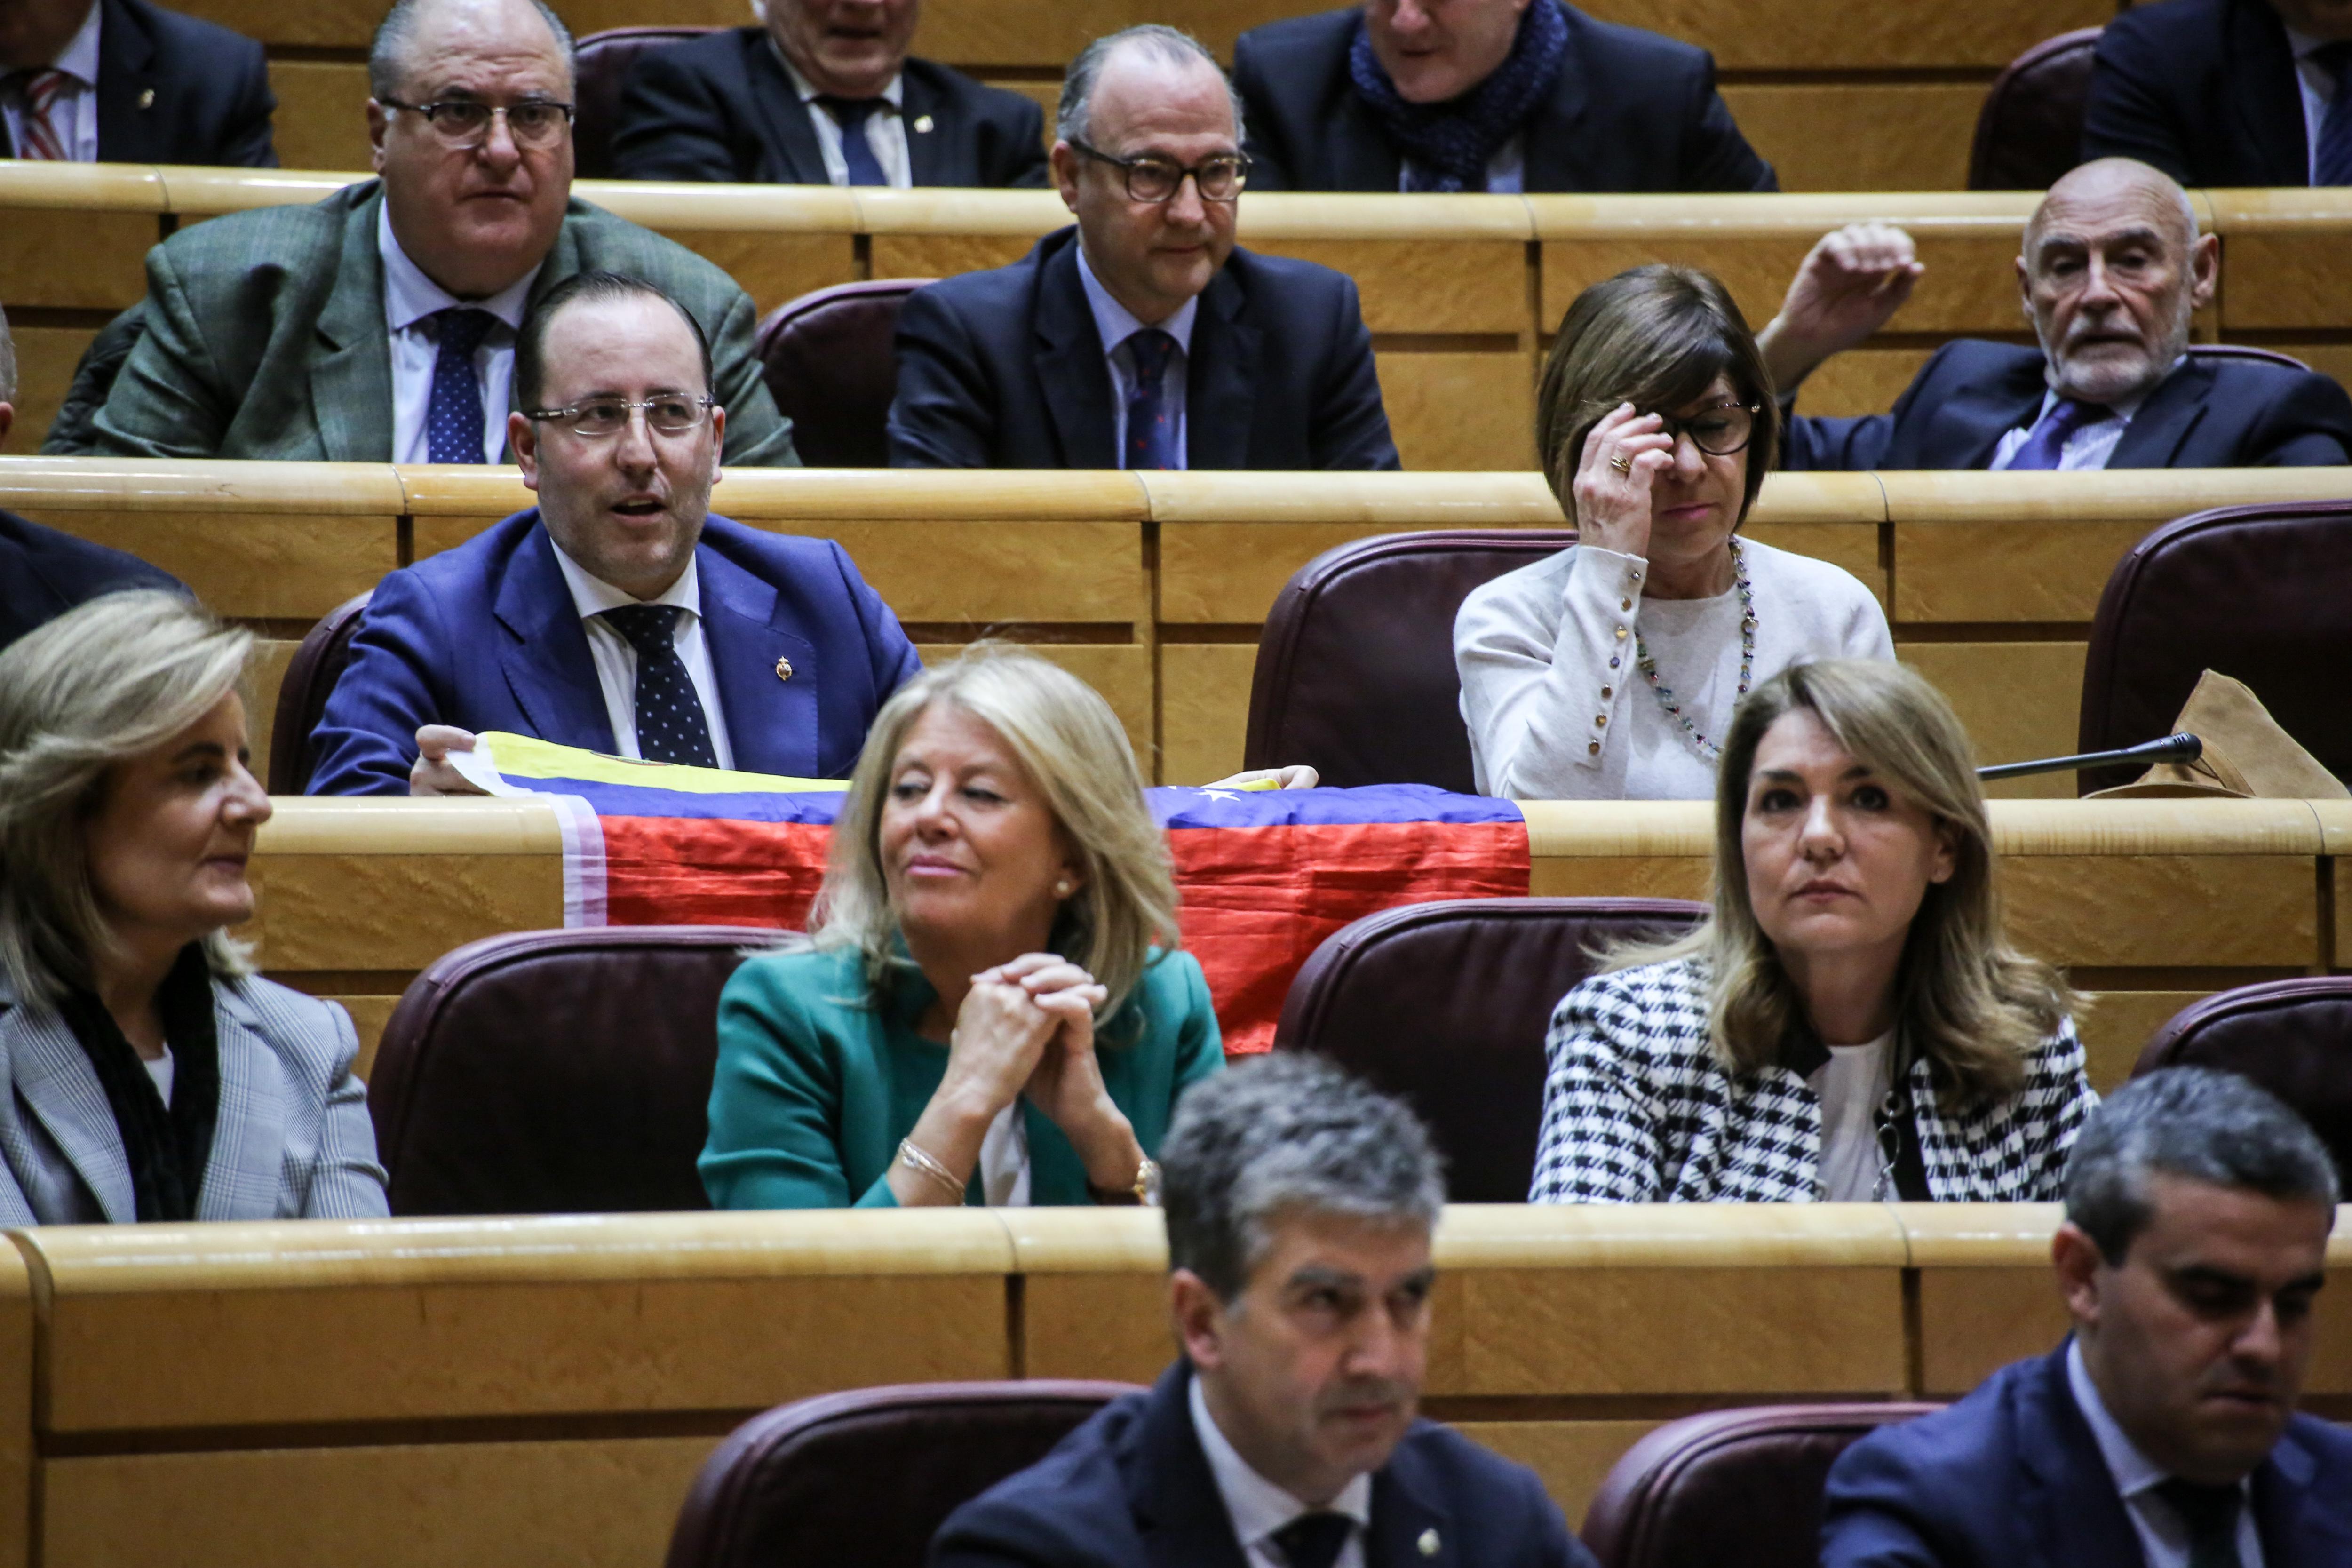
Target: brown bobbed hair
{"x":1965,"y":1000}
{"x":1656,"y":337}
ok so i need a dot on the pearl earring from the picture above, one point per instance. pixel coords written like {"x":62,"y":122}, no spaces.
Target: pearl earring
{"x":1062,"y":889}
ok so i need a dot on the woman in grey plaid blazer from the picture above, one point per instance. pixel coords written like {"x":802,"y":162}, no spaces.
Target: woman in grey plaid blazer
{"x":145,"y":1072}
{"x":1849,"y":1024}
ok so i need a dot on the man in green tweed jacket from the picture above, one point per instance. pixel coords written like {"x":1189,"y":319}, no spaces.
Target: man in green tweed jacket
{"x":379,"y":325}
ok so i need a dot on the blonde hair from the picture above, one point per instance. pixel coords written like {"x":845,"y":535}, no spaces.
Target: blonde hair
{"x":1973,"y":1006}
{"x":79,"y":696}
{"x":1074,"y":746}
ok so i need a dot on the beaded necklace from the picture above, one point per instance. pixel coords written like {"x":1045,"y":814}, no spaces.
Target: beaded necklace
{"x":1649,"y":666}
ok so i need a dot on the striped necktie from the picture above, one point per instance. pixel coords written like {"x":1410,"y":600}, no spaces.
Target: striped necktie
{"x":2331,"y":160}
{"x":38,"y":91}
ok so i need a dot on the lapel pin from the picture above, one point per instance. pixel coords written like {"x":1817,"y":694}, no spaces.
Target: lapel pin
{"x":783,"y":669}
{"x":147,"y":99}
{"x":1428,"y":1543}
{"x":922,"y":123}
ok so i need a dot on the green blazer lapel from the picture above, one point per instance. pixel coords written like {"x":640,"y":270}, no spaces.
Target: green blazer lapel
{"x":351,"y":376}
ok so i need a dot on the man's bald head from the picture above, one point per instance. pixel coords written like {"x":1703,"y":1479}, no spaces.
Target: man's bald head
{"x":500,"y":23}
{"x":2112,"y":272}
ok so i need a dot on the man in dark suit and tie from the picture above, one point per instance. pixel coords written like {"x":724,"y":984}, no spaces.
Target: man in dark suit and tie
{"x":121,"y":81}
{"x":2226,"y":92}
{"x":2113,"y":268}
{"x":1143,"y":337}
{"x":1300,"y":1208}
{"x":824,"y":94}
{"x":2164,"y":1433}
{"x":350,"y":330}
{"x":1485,"y":95}
{"x":617,"y":615}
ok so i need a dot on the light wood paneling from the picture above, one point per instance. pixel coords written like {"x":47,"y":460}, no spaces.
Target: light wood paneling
{"x":1618,"y":877}
{"x":1864,"y":381}
{"x":1203,"y":709}
{"x":102,"y":267}
{"x":2019,"y":700}
{"x":1861,"y":136}
{"x":1853,"y":546}
{"x":263,"y":677}
{"x":1120,"y":672}
{"x":2039,"y":571}
{"x":2119,"y":1024}
{"x":1426,"y":285}
{"x":1459,"y":411}
{"x":2282,"y":257}
{"x":256,"y":565}
{"x":1856,"y":34}
{"x":46,"y":358}
{"x":947,"y":255}
{"x":1571,"y":1457}
{"x":2163,"y":910}
{"x":394,"y":911}
{"x":602,"y":1503}
{"x":981,"y":573}
{"x":16,"y":1379}
{"x":2329,"y":359}
{"x":774,"y":267}
{"x":322,"y":119}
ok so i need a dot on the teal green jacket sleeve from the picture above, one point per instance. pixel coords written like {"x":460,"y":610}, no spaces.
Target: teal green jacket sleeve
{"x":798,"y":1116}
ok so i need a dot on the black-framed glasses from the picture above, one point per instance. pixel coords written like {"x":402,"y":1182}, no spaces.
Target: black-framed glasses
{"x":666,"y":414}
{"x":465,"y":123}
{"x":1152,"y":178}
{"x":1719,"y":431}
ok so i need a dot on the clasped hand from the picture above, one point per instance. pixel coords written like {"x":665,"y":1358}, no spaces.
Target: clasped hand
{"x":1028,"y":1027}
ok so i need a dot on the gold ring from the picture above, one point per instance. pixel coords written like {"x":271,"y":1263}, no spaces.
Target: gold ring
{"x":1621,"y":463}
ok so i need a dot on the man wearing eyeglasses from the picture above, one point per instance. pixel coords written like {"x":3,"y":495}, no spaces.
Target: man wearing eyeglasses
{"x":379,"y":325}
{"x":1141,"y":337}
{"x":617,"y":615}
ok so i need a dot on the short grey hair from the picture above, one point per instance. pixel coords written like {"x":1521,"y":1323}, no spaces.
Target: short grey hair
{"x":388,"y":53}
{"x":1172,"y":45}
{"x":1288,"y":1133}
{"x":7,"y":362}
{"x":79,"y":696}
{"x":2197,"y":1123}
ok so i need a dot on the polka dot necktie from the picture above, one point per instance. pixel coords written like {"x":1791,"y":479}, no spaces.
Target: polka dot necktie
{"x":452,"y":416}
{"x":1150,"y":426}
{"x":2332,"y":159}
{"x":671,"y":727}
{"x":2210,"y":1512}
{"x":37,"y":92}
{"x":856,"y":149}
{"x":1314,"y":1539}
{"x":2045,"y":444}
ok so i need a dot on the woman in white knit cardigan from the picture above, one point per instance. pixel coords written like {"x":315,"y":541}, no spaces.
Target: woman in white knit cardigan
{"x":1610,"y":670}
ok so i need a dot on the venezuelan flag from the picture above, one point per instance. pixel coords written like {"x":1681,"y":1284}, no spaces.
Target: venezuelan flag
{"x":1264,"y":875}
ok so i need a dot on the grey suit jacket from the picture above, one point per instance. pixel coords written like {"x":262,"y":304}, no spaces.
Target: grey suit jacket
{"x":292,"y":1140}
{"x":265,"y":335}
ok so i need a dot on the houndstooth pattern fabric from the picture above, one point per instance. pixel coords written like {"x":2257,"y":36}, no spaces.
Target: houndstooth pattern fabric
{"x":292,"y":1140}
{"x":1636,"y":1110}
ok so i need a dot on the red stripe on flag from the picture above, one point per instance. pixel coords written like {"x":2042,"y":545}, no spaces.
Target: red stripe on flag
{"x":672,"y":870}
{"x":1258,"y":901}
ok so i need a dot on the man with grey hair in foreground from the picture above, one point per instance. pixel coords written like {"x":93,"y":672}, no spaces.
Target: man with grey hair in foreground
{"x":1143,"y":338}
{"x":2164,"y":1432}
{"x":2111,"y":272}
{"x":1300,"y":1207}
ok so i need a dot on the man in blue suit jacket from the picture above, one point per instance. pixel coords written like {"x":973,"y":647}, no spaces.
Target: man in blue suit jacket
{"x":2218,"y":92}
{"x":1142,"y":338}
{"x":2163,"y":1434}
{"x":2112,"y":272}
{"x":617,"y":615}
{"x":1300,"y":1207}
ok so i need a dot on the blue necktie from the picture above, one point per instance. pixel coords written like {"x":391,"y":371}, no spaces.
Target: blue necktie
{"x":671,"y":727}
{"x":2332,"y":159}
{"x":452,"y":416}
{"x":2210,"y":1512}
{"x":1314,"y":1539}
{"x":1150,"y":426}
{"x":857,"y":151}
{"x":2045,"y":444}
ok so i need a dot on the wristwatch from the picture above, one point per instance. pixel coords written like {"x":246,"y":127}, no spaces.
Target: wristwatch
{"x":1145,"y":1190}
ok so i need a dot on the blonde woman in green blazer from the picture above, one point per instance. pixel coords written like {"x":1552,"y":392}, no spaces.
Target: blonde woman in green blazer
{"x":989,"y":1008}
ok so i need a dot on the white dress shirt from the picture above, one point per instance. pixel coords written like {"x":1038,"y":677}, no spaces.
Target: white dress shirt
{"x":73,"y":113}
{"x":616,"y":660}
{"x":2319,"y":91}
{"x":1849,"y":1086}
{"x":162,"y":1070}
{"x":886,"y":130}
{"x":2090,"y":445}
{"x":1259,"y":1508}
{"x":1115,"y":324}
{"x":1507,"y":171}
{"x":2163,"y":1536}
{"x":409,"y":297}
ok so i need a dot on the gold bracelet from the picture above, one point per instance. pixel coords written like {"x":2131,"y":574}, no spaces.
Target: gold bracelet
{"x":919,"y":1159}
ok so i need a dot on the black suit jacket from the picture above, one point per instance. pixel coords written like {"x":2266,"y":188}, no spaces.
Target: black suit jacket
{"x":2011,"y":1478}
{"x":171,"y":89}
{"x":2209,"y":413}
{"x":2204,"y":89}
{"x":1132,"y":1489}
{"x":1633,"y":111}
{"x":721,"y":107}
{"x":44,"y":573}
{"x":1004,"y":370}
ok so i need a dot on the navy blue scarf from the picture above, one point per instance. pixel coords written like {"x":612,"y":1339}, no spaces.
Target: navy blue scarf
{"x":1450,"y":144}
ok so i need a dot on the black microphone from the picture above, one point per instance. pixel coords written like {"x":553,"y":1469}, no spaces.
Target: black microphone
{"x":2180,"y":748}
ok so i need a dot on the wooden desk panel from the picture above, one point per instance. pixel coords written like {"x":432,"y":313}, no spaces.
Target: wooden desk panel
{"x":1833,"y":135}
{"x":2282,"y":257}
{"x":1460,"y":411}
{"x":2019,"y":700}
{"x":18,"y":1370}
{"x":247,"y":565}
{"x":322,"y":119}
{"x":46,"y":360}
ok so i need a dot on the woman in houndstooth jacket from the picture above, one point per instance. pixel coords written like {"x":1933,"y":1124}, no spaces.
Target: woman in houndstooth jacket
{"x":1849,"y":1024}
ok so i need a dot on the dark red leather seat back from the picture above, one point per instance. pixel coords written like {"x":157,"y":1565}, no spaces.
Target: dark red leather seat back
{"x":555,"y":1071}
{"x":2257,"y":593}
{"x":1355,"y":667}
{"x":318,"y":663}
{"x":2291,"y":1036}
{"x":864,"y":1480}
{"x":1729,"y":1486}
{"x":831,"y":362}
{"x":1447,"y":1004}
{"x":601,"y":67}
{"x":2029,"y":130}
{"x":2245,"y":356}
